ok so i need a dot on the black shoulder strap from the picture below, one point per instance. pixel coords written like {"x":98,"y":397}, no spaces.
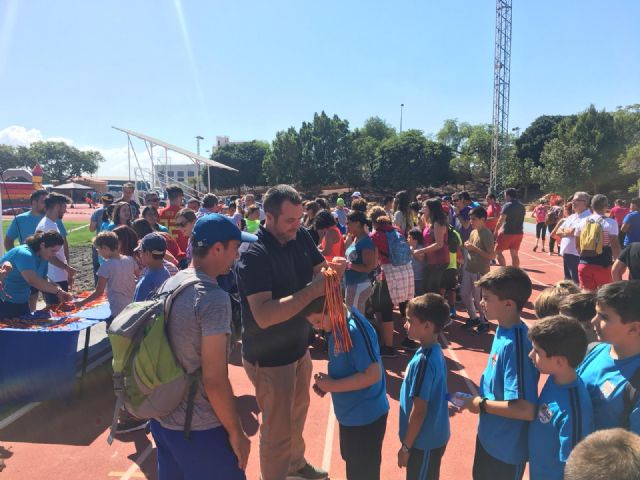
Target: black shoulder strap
{"x":631,"y":394}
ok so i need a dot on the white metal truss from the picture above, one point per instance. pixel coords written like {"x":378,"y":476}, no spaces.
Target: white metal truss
{"x":150,"y":143}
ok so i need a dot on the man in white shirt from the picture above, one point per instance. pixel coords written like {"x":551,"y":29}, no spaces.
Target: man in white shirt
{"x":59,"y":270}
{"x":570,"y":255}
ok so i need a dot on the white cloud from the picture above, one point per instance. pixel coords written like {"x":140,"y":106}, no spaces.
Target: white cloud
{"x":19,"y":136}
{"x":116,"y":158}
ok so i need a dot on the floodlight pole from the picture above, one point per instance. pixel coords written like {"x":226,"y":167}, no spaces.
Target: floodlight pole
{"x":501,"y":88}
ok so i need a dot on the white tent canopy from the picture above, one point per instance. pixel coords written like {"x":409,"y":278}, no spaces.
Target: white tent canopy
{"x":71,"y":186}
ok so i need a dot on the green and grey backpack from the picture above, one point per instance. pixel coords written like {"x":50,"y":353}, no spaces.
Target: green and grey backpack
{"x":148,"y":380}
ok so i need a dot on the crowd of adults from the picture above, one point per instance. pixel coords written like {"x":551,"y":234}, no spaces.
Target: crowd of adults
{"x":139,"y":249}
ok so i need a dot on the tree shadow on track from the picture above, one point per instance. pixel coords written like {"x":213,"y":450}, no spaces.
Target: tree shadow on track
{"x":78,"y":421}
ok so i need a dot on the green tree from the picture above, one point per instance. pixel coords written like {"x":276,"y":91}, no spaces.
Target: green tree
{"x":595,"y":132}
{"x":60,"y":161}
{"x":377,"y":129}
{"x":283,"y":160}
{"x":326,"y":146}
{"x":245,"y":157}
{"x":8,"y":157}
{"x":471,"y":147}
{"x":357,"y":171}
{"x":627,"y":121}
{"x":531,"y":142}
{"x":564,"y":168}
{"x":408,"y":160}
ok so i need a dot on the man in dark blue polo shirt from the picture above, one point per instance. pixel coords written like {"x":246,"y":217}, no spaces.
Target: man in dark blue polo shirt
{"x":277,"y":278}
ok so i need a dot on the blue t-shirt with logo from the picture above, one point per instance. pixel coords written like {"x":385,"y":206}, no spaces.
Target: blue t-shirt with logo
{"x":149,"y":283}
{"x":633,"y":234}
{"x":22,"y":258}
{"x":24,"y":225}
{"x":426,"y":378}
{"x":605,"y":379}
{"x":563,"y":418}
{"x":509,"y":375}
{"x":354,"y":255}
{"x":364,"y":406}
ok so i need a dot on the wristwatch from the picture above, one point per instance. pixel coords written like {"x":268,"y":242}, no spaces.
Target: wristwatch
{"x":404,"y":448}
{"x":483,"y":405}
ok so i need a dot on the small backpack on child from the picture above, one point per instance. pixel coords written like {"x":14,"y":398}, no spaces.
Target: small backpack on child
{"x":399,"y":251}
{"x":148,"y":380}
{"x":592,"y":238}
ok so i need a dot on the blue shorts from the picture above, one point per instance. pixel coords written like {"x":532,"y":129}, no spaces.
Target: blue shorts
{"x":206,"y":454}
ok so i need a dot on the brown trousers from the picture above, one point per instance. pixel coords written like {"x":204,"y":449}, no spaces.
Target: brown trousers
{"x":282,"y":394}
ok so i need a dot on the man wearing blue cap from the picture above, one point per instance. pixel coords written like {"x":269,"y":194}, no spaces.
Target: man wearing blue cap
{"x":276,"y":282}
{"x":198,"y":327}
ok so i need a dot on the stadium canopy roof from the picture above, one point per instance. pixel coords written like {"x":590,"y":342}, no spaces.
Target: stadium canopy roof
{"x":193,"y":156}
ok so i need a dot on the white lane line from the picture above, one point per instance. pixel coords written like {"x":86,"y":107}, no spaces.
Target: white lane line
{"x":472,"y":388}
{"x":78,"y":228}
{"x":328,"y":439}
{"x":540,"y":265}
{"x":18,"y":414}
{"x":138,"y":462}
{"x":555,"y":264}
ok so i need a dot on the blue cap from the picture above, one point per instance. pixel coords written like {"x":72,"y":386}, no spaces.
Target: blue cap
{"x":214,"y":228}
{"x":154,"y":243}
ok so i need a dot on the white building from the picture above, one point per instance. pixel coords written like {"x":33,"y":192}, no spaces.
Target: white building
{"x":221,"y":141}
{"x":177,"y":172}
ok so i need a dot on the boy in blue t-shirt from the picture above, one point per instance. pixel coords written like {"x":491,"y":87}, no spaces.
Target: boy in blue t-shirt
{"x":152,"y":249}
{"x":509,"y":383}
{"x":356,"y":381}
{"x":424,"y":414}
{"x":565,"y":415}
{"x":611,"y":371}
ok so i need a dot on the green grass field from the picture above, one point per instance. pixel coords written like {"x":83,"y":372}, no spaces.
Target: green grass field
{"x":81,"y":236}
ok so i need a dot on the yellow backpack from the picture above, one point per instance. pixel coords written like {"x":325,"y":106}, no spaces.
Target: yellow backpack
{"x":592,"y":238}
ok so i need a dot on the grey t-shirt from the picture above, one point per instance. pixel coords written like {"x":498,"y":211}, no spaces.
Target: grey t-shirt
{"x":198,"y":311}
{"x":121,"y":282}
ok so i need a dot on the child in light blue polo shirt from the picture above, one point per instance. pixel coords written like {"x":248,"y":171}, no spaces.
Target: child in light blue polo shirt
{"x":509,"y":383}
{"x":564,"y":416}
{"x":424,"y":414}
{"x":611,"y":371}
{"x":356,"y":381}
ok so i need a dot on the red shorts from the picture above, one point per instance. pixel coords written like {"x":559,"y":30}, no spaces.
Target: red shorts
{"x":593,"y":277}
{"x":508,"y":242}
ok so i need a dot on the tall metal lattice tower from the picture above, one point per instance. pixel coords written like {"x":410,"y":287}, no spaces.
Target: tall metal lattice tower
{"x":501,"y":86}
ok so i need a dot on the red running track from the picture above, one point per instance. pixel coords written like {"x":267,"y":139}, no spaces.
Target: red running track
{"x":68,"y":441}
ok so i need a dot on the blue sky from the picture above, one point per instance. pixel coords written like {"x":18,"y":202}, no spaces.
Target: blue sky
{"x":176,"y":69}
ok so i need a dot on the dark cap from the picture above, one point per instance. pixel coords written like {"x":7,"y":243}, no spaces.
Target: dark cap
{"x":154,"y":243}
{"x":214,"y":228}
{"x":107,"y":197}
